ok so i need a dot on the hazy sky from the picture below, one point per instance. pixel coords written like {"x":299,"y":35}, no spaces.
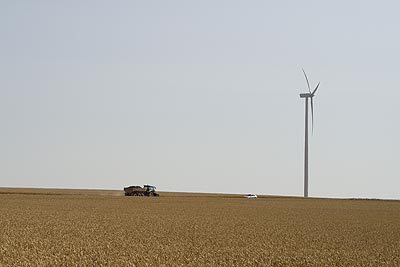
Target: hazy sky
{"x":200,"y":95}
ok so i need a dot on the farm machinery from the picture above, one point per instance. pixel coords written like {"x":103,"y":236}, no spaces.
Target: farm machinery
{"x":146,"y":190}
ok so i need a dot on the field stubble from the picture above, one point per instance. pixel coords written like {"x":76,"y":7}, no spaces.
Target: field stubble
{"x":74,"y":228}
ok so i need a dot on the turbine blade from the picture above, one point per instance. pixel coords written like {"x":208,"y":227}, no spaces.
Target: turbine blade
{"x":308,"y":84}
{"x":312,"y":115}
{"x":315,"y":89}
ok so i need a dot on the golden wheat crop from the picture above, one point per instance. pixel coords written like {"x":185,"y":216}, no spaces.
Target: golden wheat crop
{"x":104,"y":228}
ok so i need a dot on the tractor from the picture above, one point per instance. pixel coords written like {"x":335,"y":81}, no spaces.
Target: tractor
{"x":146,"y":190}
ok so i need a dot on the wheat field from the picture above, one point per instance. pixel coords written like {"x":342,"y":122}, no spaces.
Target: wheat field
{"x":48,"y":227}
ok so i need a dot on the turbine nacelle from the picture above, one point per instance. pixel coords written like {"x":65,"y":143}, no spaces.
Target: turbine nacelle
{"x":304,"y":95}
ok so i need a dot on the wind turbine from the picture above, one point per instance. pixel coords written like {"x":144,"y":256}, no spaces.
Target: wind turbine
{"x":307,"y":96}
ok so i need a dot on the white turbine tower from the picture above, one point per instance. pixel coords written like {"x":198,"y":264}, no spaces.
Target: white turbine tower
{"x":307,"y":96}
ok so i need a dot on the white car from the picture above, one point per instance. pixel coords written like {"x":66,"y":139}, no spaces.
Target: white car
{"x":250,"y":196}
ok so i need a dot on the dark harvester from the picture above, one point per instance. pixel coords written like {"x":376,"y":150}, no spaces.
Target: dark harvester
{"x":146,"y":190}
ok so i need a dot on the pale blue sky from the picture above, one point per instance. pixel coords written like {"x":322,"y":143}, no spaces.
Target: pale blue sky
{"x":200,"y":95}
